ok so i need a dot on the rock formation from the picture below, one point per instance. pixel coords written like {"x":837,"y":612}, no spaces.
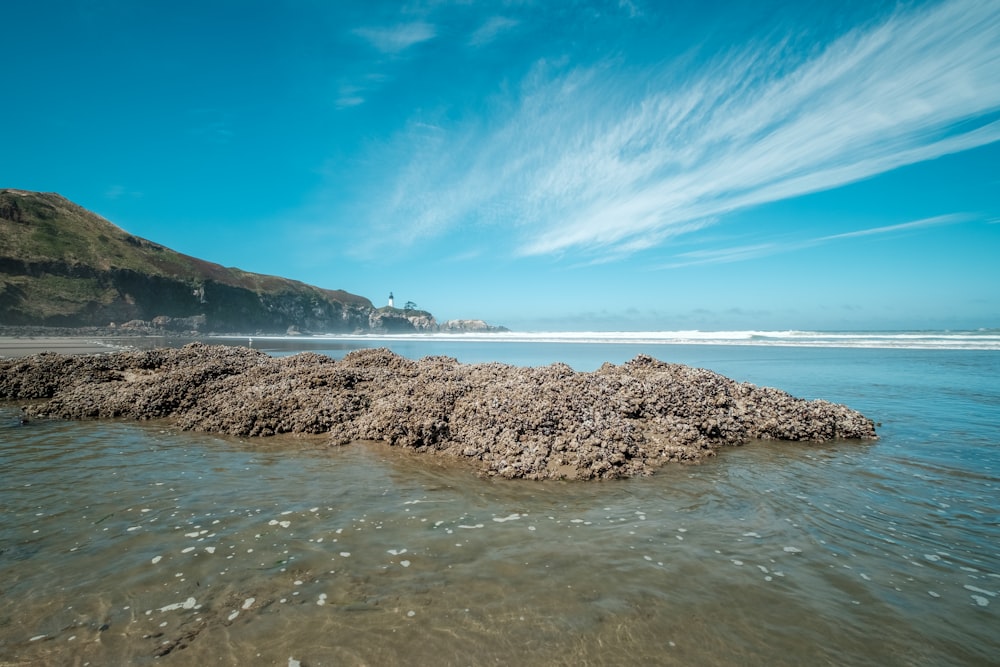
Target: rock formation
{"x":468,"y":326}
{"x":538,"y":423}
{"x":398,"y":320}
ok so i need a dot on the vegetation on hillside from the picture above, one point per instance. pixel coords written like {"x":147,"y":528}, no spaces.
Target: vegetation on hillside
{"x":62,"y":265}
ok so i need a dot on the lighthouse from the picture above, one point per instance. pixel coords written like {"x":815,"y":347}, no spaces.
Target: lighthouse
{"x":390,"y":300}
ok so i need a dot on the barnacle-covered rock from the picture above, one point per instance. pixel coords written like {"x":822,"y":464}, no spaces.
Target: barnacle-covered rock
{"x":537,"y":423}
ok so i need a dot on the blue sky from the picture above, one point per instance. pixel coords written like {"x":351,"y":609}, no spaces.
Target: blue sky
{"x":620,"y":165}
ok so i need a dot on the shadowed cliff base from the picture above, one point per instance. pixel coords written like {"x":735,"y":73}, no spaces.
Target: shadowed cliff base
{"x":549,"y":422}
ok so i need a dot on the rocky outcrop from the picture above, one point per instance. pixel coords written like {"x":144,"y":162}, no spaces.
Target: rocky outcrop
{"x":393,"y":320}
{"x":468,"y":326}
{"x":10,"y":210}
{"x":537,"y":423}
{"x":163,"y":324}
{"x":397,"y":320}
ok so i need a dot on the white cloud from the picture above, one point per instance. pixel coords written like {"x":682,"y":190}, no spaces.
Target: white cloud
{"x":397,"y":38}
{"x":906,"y":226}
{"x":630,"y":7}
{"x":606,"y":160}
{"x":116,"y":192}
{"x":740,"y":253}
{"x":349,"y":101}
{"x":490,"y":30}
{"x":726,"y":255}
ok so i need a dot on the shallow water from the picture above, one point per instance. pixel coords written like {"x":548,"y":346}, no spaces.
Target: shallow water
{"x":122,"y":541}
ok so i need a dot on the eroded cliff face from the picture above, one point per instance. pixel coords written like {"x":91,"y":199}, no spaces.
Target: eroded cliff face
{"x":60,"y":294}
{"x":391,"y":320}
{"x":235,"y":309}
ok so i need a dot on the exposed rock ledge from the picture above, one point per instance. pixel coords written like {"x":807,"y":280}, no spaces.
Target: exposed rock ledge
{"x":538,"y":423}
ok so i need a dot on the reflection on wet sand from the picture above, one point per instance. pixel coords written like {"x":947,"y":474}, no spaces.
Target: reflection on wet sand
{"x":138,"y":544}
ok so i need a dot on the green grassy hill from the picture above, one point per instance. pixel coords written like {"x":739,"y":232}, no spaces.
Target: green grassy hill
{"x":61,"y":265}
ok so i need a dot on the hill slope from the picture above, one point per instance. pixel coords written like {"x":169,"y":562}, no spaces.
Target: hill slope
{"x":61,"y":265}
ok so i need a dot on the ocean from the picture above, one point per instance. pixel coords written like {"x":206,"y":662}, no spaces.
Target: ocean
{"x":136,"y":543}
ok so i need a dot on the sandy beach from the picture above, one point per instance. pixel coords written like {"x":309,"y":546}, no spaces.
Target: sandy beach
{"x":12,"y":347}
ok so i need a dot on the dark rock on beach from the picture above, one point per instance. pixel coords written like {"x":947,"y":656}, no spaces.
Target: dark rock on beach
{"x":537,"y":423}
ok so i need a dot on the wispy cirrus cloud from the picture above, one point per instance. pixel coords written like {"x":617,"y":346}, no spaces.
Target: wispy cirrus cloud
{"x":397,"y":38}
{"x":936,"y":221}
{"x":491,"y":29}
{"x":350,"y":99}
{"x":608,"y":159}
{"x":755,"y":251}
{"x":391,"y":42}
{"x":731,"y":254}
{"x":116,"y":192}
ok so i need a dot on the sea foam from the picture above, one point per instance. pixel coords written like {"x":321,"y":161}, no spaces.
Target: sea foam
{"x":981,"y":339}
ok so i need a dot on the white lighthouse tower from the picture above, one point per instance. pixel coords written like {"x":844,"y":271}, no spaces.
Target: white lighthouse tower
{"x":391,"y":301}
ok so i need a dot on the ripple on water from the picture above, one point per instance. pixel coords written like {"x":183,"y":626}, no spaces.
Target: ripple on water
{"x":351,"y":542}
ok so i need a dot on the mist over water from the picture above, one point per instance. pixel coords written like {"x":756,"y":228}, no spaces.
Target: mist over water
{"x":123,"y":541}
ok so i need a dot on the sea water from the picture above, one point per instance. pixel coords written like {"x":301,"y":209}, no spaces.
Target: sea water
{"x":135,"y":543}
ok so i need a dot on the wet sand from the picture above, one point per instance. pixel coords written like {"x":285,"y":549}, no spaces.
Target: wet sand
{"x":12,"y":347}
{"x":136,"y":544}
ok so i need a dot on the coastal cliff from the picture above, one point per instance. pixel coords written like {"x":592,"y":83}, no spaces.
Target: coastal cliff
{"x":63,"y":266}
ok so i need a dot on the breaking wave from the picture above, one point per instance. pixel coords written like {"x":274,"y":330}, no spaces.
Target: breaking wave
{"x":983,"y":339}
